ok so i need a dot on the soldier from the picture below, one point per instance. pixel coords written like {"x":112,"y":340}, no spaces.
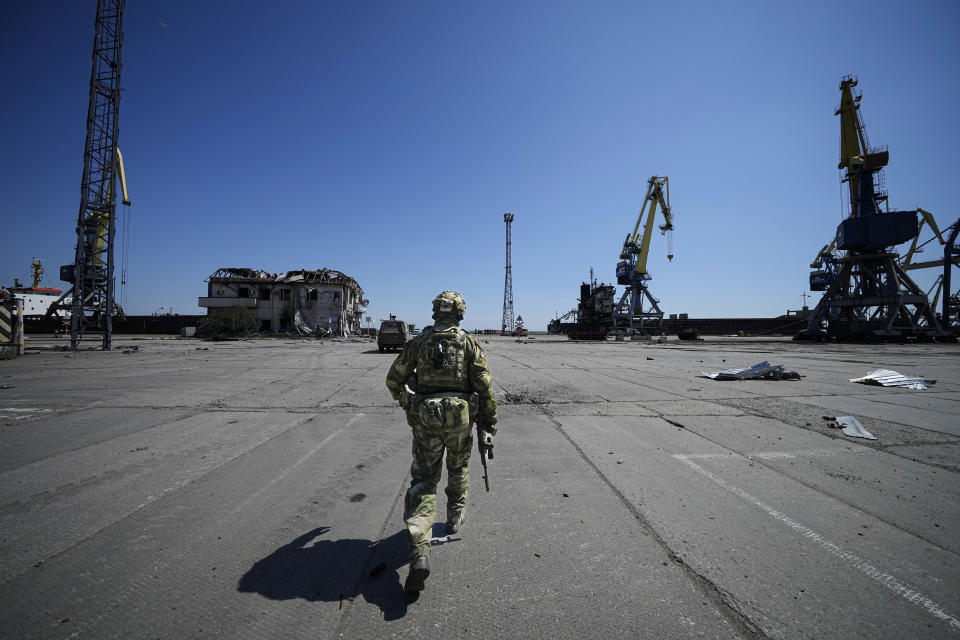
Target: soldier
{"x":442,"y":381}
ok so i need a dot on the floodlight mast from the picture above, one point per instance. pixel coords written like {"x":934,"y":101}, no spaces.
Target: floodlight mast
{"x":508,"y":325}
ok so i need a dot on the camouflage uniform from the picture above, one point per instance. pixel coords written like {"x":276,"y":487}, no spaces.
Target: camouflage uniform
{"x":445,"y":368}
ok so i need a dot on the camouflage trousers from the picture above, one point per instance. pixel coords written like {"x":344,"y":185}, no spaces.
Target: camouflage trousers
{"x":421,"y":500}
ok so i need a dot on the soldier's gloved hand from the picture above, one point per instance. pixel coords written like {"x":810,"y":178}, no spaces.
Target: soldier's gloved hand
{"x":488,"y":428}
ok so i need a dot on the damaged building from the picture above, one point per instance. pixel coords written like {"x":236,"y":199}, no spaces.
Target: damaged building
{"x":303,"y":300}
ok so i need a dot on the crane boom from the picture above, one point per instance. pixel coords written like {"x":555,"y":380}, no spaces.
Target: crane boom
{"x":856,"y":156}
{"x":635,"y":244}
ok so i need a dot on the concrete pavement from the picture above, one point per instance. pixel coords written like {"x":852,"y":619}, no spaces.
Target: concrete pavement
{"x":254,"y":490}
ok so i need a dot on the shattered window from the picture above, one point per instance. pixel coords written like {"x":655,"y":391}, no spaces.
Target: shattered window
{"x":336,"y":295}
{"x":264,"y":293}
{"x":284,"y":295}
{"x":312,"y":294}
{"x":284,"y":323}
{"x":243,"y":292}
{"x":264,"y":325}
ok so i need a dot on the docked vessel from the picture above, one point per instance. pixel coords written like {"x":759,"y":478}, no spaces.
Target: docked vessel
{"x":36,"y":299}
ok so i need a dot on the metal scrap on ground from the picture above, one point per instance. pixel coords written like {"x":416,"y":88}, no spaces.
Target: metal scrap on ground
{"x":888,"y":378}
{"x":763,"y":370}
{"x":852,"y":427}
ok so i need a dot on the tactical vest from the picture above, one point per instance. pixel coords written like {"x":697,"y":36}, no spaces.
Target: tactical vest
{"x":441,"y":361}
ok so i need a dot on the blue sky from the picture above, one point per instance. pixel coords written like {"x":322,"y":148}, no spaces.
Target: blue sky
{"x":387,"y":139}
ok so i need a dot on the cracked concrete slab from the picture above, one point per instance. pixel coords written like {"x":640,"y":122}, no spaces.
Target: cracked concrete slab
{"x":254,"y":489}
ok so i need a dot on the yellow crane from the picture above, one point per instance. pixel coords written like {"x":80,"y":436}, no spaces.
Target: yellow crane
{"x":102,"y":218}
{"x":867,"y":292}
{"x":636,"y":246}
{"x":862,"y":162}
{"x":632,"y":268}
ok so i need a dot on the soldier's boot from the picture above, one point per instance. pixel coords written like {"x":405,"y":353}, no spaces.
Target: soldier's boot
{"x":456,"y":520}
{"x":419,"y":571}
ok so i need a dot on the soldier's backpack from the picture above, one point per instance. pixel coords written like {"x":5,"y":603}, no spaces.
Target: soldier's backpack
{"x":441,"y":360}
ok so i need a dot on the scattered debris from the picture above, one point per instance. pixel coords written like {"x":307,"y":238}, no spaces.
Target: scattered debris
{"x":7,"y":386}
{"x":888,"y":378}
{"x":762,"y":370}
{"x":852,"y":427}
{"x":689,"y":334}
{"x":133,"y":349}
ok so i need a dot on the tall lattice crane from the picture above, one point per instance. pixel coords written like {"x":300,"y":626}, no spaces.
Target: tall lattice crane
{"x":632,"y":270}
{"x":867,"y":293}
{"x":91,"y":273}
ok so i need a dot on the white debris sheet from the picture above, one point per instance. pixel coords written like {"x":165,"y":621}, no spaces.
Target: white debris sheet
{"x":763,"y":370}
{"x":888,"y":378}
{"x":852,"y":427}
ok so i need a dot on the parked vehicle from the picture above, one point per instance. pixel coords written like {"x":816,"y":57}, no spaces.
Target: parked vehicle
{"x":392,"y":335}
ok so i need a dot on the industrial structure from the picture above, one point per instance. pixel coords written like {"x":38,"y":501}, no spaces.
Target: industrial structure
{"x":594,"y":311}
{"x":951,"y":258}
{"x":36,"y":300}
{"x":951,"y":299}
{"x":508,"y":326}
{"x":303,"y":300}
{"x":638,"y":310}
{"x":93,"y":305}
{"x":593,"y":315}
{"x":867,"y":293}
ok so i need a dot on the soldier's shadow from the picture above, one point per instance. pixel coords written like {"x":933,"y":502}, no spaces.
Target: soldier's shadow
{"x":318,"y":569}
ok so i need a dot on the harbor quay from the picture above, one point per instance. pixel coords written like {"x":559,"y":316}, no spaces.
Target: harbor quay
{"x":176,"y":487}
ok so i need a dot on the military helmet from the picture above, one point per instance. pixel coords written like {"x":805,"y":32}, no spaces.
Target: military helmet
{"x":449,"y":303}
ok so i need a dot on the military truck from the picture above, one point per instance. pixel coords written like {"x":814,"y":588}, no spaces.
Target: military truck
{"x":392,"y":335}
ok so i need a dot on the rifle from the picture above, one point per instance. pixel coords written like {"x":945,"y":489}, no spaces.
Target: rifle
{"x":485,"y":446}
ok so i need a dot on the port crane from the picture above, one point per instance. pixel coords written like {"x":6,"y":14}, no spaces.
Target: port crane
{"x":93,"y":305}
{"x":632,"y":268}
{"x":867,"y":292}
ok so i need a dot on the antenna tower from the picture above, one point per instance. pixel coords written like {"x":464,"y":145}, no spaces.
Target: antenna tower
{"x":508,"y":325}
{"x":93,"y":301}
